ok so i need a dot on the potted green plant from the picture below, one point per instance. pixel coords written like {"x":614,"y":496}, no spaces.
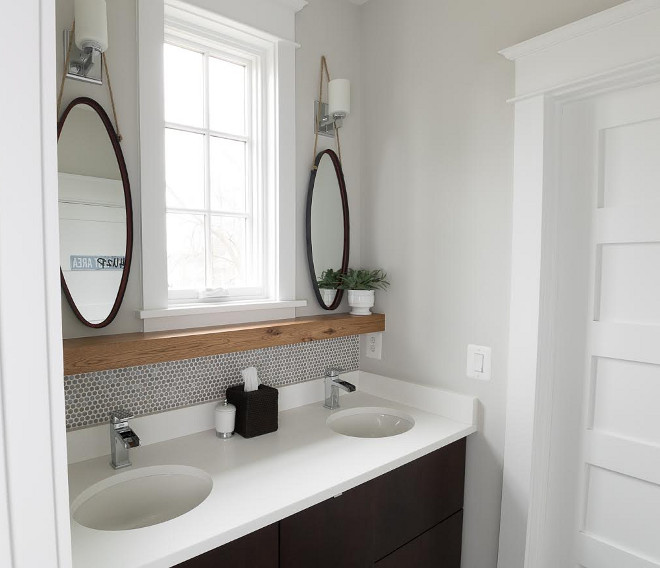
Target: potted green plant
{"x":361,"y":285}
{"x":328,"y":284}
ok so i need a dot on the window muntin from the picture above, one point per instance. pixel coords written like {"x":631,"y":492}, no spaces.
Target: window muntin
{"x":214,"y":192}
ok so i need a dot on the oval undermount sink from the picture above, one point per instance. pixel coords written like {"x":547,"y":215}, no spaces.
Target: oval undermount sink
{"x":370,"y":422}
{"x":141,"y":497}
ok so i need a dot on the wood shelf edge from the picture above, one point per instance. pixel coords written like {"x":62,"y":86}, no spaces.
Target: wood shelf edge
{"x":100,"y":353}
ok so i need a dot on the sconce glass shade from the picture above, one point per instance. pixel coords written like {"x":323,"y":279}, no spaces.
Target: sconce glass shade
{"x":91,"y":25}
{"x":339,"y":98}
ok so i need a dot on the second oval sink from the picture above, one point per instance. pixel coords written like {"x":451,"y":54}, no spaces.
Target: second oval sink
{"x":141,"y":497}
{"x":370,"y":422}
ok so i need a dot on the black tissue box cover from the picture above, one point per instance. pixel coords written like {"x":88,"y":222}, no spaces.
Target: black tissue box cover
{"x":256,"y":411}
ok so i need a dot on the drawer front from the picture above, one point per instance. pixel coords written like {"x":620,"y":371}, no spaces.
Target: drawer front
{"x":255,"y":550}
{"x":337,"y":533}
{"x":439,"y":547}
{"x":417,"y":496}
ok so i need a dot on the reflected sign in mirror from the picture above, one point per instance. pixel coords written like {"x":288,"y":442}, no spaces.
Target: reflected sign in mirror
{"x":95,"y":213}
{"x":328,"y":240}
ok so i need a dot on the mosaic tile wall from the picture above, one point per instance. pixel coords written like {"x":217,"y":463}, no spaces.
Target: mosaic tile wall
{"x":148,"y":389}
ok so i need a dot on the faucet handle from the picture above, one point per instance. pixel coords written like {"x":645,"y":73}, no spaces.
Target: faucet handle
{"x":120,"y":415}
{"x":332,"y":372}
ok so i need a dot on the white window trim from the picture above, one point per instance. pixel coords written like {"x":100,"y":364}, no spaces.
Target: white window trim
{"x":279,"y":156}
{"x":225,"y":307}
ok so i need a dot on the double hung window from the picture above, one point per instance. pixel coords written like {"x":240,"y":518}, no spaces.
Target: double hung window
{"x":215,"y":206}
{"x":217,"y":154}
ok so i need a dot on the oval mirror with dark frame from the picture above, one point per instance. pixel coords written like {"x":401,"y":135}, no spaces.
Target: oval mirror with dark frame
{"x":95,"y":213}
{"x":327,"y":226}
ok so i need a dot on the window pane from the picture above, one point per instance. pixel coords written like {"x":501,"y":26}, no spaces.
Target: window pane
{"x":186,"y":264}
{"x":184,"y":86}
{"x":228,"y":175}
{"x":228,"y":243}
{"x":184,"y":169}
{"x":226,"y":96}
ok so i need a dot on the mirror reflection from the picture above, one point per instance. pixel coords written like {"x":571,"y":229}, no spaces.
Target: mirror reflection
{"x":92,"y":213}
{"x":327,"y":227}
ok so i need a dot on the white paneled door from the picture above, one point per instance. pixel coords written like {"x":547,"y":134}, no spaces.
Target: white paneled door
{"x":605,"y":481}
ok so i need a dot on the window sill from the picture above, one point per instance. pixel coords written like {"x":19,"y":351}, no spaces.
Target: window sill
{"x":225,"y":307}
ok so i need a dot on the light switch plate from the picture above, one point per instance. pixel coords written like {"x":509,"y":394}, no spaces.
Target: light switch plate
{"x":374,"y":345}
{"x":478,"y":362}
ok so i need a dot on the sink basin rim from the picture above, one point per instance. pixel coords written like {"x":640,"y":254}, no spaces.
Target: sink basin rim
{"x":369,"y":410}
{"x":141,"y":473}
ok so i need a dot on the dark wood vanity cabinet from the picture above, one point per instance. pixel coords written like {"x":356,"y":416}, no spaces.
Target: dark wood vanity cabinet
{"x":409,"y":517}
{"x":438,"y":547}
{"x":255,"y":550}
{"x":336,"y":532}
{"x":417,"y":496}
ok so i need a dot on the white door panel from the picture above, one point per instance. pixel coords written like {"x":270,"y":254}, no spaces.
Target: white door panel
{"x":630,"y":165}
{"x":604,"y":483}
{"x":594,"y":552}
{"x":625,"y":400}
{"x":624,"y":511}
{"x":629,"y":282}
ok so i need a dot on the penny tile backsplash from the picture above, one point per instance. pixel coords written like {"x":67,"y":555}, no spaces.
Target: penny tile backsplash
{"x":148,"y":389}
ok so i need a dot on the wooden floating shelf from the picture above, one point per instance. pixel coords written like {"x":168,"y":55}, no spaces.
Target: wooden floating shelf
{"x":105,"y":352}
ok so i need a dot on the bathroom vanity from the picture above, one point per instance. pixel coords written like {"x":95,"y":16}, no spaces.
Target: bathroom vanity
{"x":411,"y":516}
{"x":304,"y":496}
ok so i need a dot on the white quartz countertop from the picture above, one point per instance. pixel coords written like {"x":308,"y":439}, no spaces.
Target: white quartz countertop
{"x":256,"y":481}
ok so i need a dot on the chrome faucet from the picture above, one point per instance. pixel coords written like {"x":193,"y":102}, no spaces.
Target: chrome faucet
{"x":332,"y":386}
{"x":121,"y":438}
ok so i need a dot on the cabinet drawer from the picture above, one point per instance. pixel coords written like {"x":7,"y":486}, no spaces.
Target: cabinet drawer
{"x":337,"y":533}
{"x":417,"y":496}
{"x":439,"y":547}
{"x":255,"y":550}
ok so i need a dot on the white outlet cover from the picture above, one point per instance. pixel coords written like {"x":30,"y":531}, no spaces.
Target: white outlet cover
{"x":374,"y":345}
{"x":478,"y":362}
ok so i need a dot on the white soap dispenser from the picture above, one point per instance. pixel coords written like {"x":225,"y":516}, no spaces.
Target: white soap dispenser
{"x":225,"y":417}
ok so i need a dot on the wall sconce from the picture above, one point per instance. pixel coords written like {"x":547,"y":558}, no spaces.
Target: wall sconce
{"x":339,"y":100}
{"x":332,"y":114}
{"x":84,"y":55}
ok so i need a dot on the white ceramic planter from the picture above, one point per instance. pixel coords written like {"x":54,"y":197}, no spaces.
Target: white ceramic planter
{"x":328,"y":295}
{"x":361,"y":301}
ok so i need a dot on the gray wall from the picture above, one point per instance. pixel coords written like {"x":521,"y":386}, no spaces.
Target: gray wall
{"x":436,"y":204}
{"x":322,"y":28}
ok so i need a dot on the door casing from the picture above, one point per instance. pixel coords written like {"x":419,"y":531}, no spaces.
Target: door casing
{"x":612,"y":50}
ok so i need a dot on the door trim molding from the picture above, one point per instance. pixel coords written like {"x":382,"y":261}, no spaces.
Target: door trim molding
{"x":34,"y":496}
{"x":613,"y":50}
{"x":579,"y":28}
